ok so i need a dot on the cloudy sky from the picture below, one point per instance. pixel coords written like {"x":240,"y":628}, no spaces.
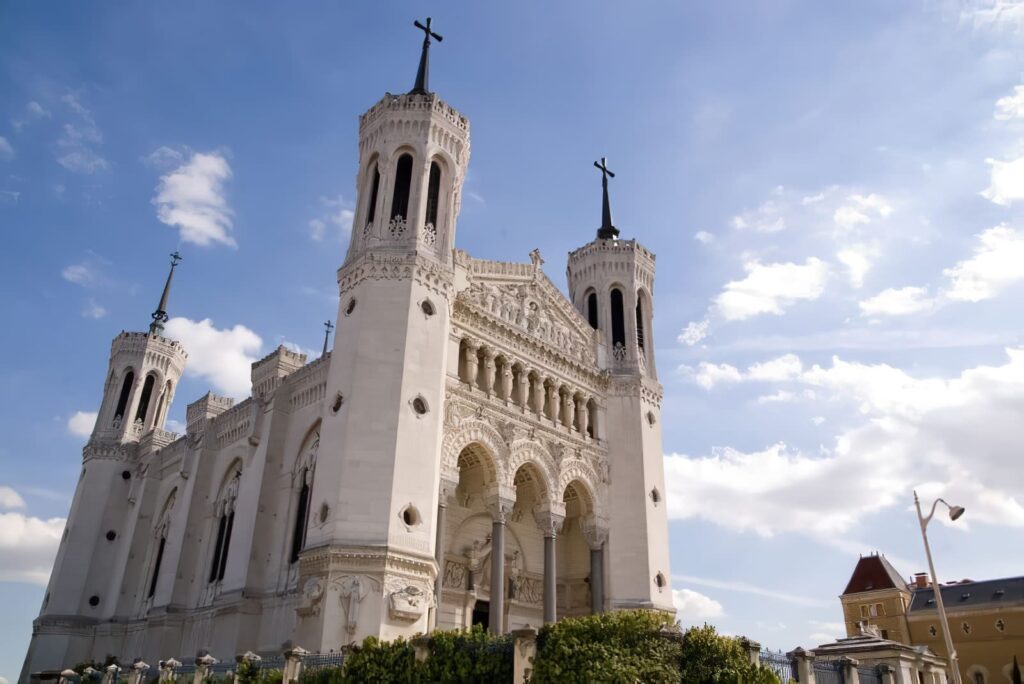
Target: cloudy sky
{"x":834,"y":192}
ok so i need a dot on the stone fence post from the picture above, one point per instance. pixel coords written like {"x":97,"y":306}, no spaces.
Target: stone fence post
{"x":203,"y":665}
{"x":68,"y":676}
{"x":138,"y":675}
{"x":753,"y":650}
{"x":804,"y":665}
{"x":524,"y":650}
{"x":421,"y":647}
{"x":110,"y":674}
{"x":293,"y":658}
{"x":850,"y":674}
{"x":167,"y":668}
{"x":888,"y":673}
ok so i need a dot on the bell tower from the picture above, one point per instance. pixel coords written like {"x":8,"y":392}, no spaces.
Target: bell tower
{"x":374,"y":498}
{"x":84,"y":586}
{"x":611,"y":282}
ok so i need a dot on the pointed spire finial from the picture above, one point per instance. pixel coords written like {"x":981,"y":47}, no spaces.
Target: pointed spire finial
{"x":328,"y":327}
{"x":607,"y":231}
{"x":423,"y":73}
{"x":160,"y":315}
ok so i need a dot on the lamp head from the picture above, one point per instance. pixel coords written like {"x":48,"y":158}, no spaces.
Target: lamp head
{"x":955,"y":512}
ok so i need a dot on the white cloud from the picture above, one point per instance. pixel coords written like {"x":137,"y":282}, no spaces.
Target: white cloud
{"x":175,"y":426}
{"x":34,"y":111}
{"x":93,"y":310}
{"x":1011,"y":106}
{"x":9,"y":196}
{"x":708,"y":375}
{"x":79,"y":140}
{"x":694,"y":608}
{"x":956,"y":437}
{"x":996,"y":264}
{"x":860,"y":210}
{"x":83,"y":274}
{"x":897,"y":302}
{"x":769,"y":288}
{"x":191,"y":197}
{"x":10,"y":498}
{"x":694,"y":332}
{"x":745,"y":588}
{"x":767,"y":218}
{"x":28,"y":545}
{"x":335,"y":222}
{"x":994,"y":15}
{"x":81,"y":423}
{"x":703,"y":237}
{"x":6,"y":151}
{"x":857,"y":260}
{"x":780,"y":397}
{"x":163,"y":158}
{"x":222,"y":357}
{"x":825,"y":632}
{"x":1006,"y":181}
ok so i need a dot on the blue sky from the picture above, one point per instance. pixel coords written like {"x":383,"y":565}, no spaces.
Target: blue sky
{"x":834,"y":192}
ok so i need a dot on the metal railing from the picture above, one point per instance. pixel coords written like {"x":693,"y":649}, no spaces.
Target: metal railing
{"x":779,"y":663}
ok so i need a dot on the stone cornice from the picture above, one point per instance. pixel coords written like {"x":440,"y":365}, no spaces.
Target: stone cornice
{"x":375,"y":265}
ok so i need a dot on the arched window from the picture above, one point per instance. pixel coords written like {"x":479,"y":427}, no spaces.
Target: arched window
{"x":618,"y":319}
{"x":371,"y":210}
{"x":147,"y":392}
{"x":433,"y":193}
{"x":640,"y":322}
{"x":225,"y":524}
{"x":403,"y":184}
{"x":126,"y":390}
{"x":592,"y":309}
{"x":301,"y":516}
{"x":156,"y":566}
{"x":161,"y":405}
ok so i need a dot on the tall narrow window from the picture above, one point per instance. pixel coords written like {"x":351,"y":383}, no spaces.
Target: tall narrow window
{"x":639,"y":323}
{"x":301,"y":519}
{"x":371,"y":211}
{"x":156,"y":567}
{"x":618,"y":320}
{"x":403,"y":183}
{"x":126,"y":390}
{"x":433,"y":193}
{"x":227,"y":545}
{"x":147,"y":392}
{"x":592,"y":309}
{"x":217,"y":548}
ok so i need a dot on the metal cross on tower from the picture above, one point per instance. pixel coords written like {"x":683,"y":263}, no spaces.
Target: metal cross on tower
{"x":328,"y":327}
{"x":160,"y":315}
{"x":423,"y":73}
{"x":607,"y":231}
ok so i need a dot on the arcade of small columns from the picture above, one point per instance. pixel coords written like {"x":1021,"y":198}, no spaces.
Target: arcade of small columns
{"x":475,"y":502}
{"x":495,"y":374}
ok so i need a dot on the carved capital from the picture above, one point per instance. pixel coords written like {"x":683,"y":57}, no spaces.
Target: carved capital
{"x":550,"y":518}
{"x":501,"y":499}
{"x":595,"y":532}
{"x":446,"y":488}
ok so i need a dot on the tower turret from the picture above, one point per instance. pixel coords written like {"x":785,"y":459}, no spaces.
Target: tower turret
{"x":143,"y":373}
{"x":611,"y":282}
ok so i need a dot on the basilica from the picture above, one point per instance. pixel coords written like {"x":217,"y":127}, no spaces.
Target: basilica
{"x":475,"y":448}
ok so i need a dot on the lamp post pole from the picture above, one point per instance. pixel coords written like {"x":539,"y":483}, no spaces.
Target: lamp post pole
{"x":936,"y":588}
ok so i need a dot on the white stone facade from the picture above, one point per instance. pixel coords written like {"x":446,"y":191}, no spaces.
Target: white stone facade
{"x":471,"y":428}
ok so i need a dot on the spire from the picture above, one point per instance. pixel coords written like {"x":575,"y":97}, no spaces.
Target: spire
{"x":607,"y":231}
{"x":328,"y":327}
{"x":160,"y":315}
{"x":423,"y":73}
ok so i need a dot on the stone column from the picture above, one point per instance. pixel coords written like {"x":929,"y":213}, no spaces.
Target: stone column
{"x":550,"y":517}
{"x":850,"y":674}
{"x":487,"y":372}
{"x":753,"y":650}
{"x":582,"y":416}
{"x":595,"y":534}
{"x":804,"y":665}
{"x":446,"y":491}
{"x":506,"y":381}
{"x":471,"y":362}
{"x":523,"y":652}
{"x":293,"y":658}
{"x":888,"y":673}
{"x":553,"y":402}
{"x":538,"y":396}
{"x":500,"y":503}
{"x":522,"y":387}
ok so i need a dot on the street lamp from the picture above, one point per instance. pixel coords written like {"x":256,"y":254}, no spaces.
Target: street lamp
{"x":954,"y":513}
